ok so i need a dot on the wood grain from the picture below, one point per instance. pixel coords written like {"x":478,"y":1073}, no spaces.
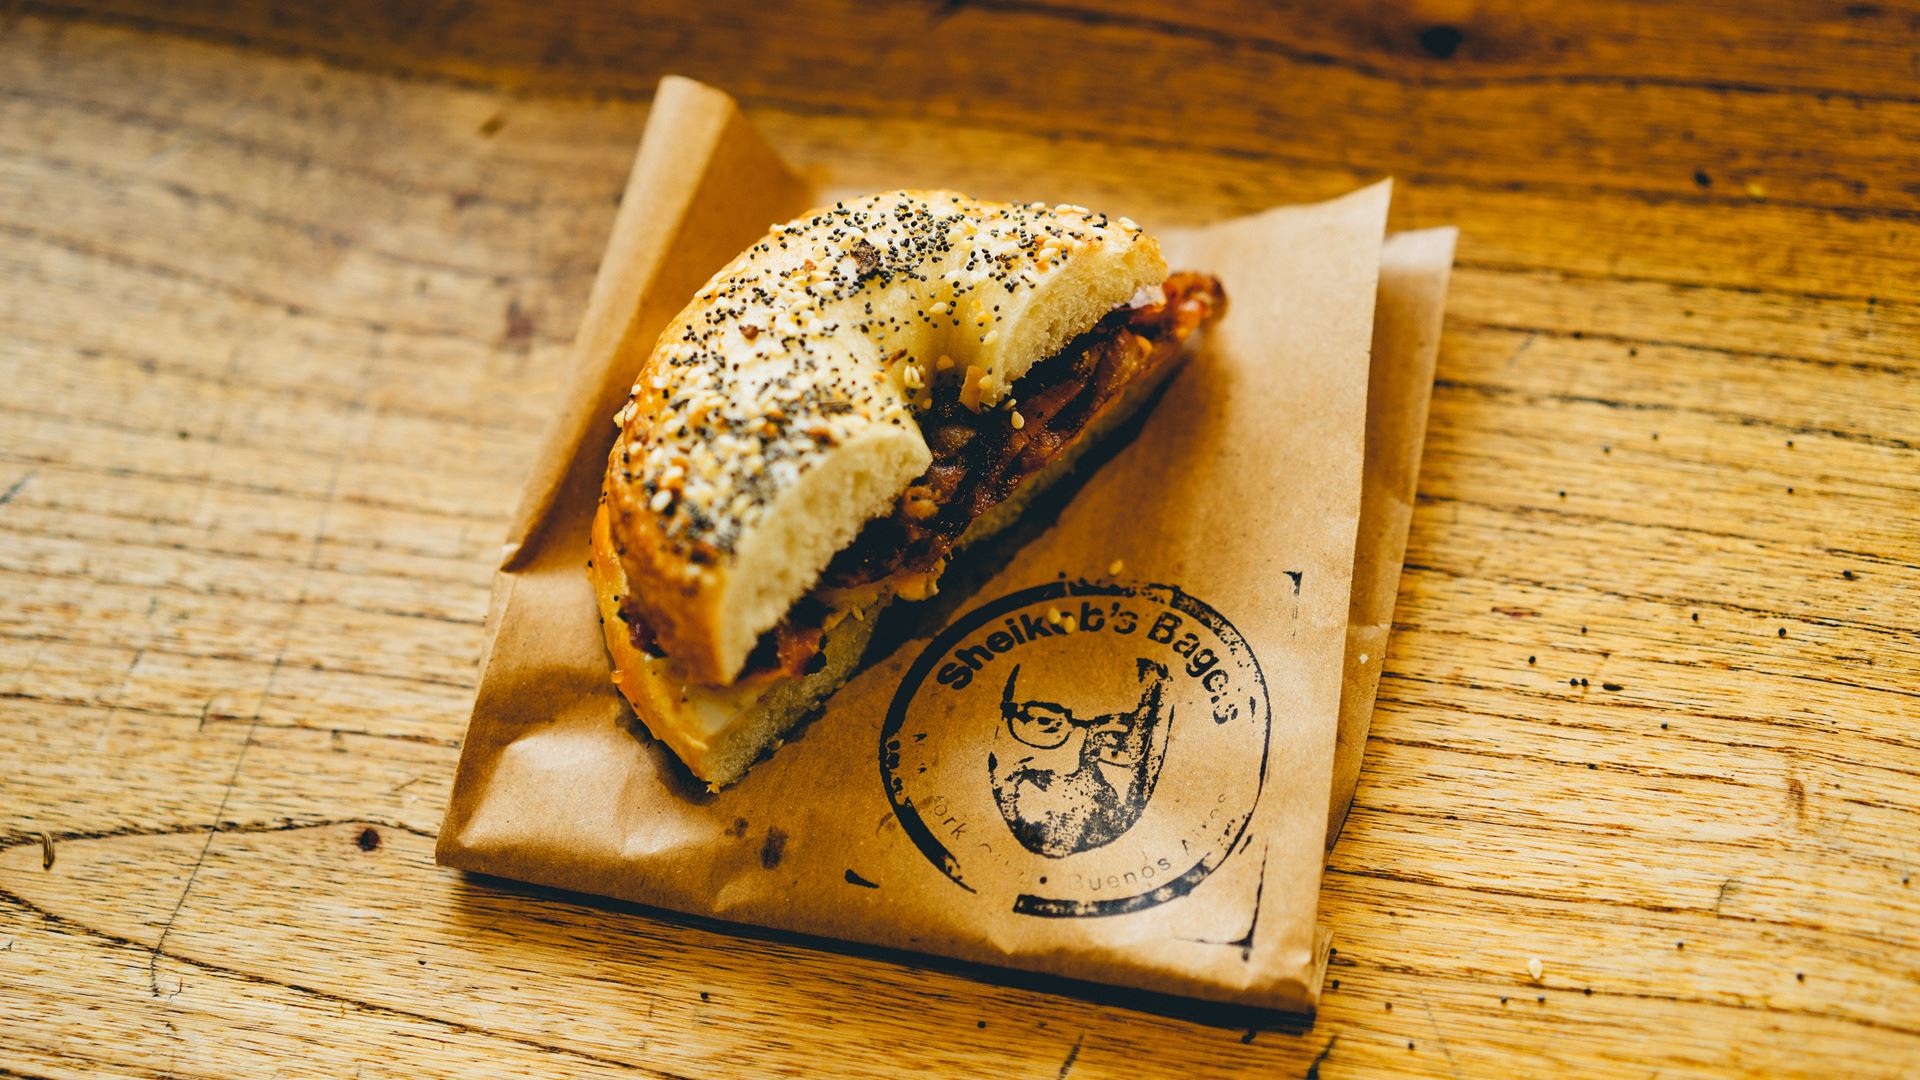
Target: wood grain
{"x":284,"y":293}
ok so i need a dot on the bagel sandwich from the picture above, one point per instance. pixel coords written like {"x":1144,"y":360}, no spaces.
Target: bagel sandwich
{"x":862,"y":393}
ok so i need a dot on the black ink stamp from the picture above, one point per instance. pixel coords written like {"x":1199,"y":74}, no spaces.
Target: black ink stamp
{"x":1080,"y":748}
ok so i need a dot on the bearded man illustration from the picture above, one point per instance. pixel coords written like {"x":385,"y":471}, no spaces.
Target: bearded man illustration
{"x":1071,"y":784}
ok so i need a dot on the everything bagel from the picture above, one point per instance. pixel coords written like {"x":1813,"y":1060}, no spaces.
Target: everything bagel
{"x":858,"y":394}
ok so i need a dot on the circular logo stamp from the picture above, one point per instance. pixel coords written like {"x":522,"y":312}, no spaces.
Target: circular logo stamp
{"x":1078,"y":749}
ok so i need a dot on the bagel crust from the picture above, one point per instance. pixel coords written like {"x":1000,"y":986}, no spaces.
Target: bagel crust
{"x":776,"y":415}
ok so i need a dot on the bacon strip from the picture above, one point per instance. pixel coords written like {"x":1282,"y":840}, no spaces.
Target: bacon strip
{"x":979,"y":459}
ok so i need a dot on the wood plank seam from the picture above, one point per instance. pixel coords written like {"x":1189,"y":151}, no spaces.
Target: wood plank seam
{"x":1246,"y":38}
{"x":269,"y":150}
{"x":259,"y":297}
{"x":243,"y":658}
{"x":806,"y":106}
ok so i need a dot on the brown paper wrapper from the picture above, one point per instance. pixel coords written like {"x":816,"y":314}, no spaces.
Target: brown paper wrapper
{"x":1141,"y":801}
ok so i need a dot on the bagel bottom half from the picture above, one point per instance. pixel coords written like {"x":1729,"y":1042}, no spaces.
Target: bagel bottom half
{"x":720,"y":731}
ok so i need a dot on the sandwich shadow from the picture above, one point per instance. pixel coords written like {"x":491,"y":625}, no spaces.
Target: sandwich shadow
{"x":502,"y":908}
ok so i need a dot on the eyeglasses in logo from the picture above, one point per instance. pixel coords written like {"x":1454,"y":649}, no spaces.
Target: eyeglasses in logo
{"x":1075,"y":783}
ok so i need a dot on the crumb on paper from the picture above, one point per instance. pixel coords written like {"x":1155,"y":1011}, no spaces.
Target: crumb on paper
{"x":1363,"y":658}
{"x":1114,"y":568}
{"x":1535,"y":967}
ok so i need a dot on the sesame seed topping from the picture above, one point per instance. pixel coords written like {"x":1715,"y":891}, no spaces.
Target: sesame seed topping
{"x":764,"y":368}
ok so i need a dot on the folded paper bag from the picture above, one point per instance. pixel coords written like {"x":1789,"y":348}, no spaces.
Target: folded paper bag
{"x":1414,"y":268}
{"x":1116,"y":775}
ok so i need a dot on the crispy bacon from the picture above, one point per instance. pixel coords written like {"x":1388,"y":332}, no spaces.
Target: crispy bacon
{"x":792,"y":648}
{"x":789,"y":650}
{"x":979,"y":459}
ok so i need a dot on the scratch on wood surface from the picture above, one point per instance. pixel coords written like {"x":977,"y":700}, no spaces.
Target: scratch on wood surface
{"x":178,"y":144}
{"x":173,"y":1047}
{"x":1440,"y":1038}
{"x":1313,"y":1069}
{"x":1726,"y":889}
{"x":120,"y":691}
{"x":159,"y":945}
{"x":240,"y":759}
{"x":653,"y":1001}
{"x":61,"y":922}
{"x":1514,"y":357}
{"x":1072,"y":1056}
{"x":14,"y":489}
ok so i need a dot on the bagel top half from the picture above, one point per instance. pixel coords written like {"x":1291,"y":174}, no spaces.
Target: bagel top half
{"x":776,"y":414}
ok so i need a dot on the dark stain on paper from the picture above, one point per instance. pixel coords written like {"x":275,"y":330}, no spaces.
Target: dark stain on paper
{"x":774,"y":849}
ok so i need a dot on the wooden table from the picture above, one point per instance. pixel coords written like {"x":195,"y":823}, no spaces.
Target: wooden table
{"x":284,"y":294}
